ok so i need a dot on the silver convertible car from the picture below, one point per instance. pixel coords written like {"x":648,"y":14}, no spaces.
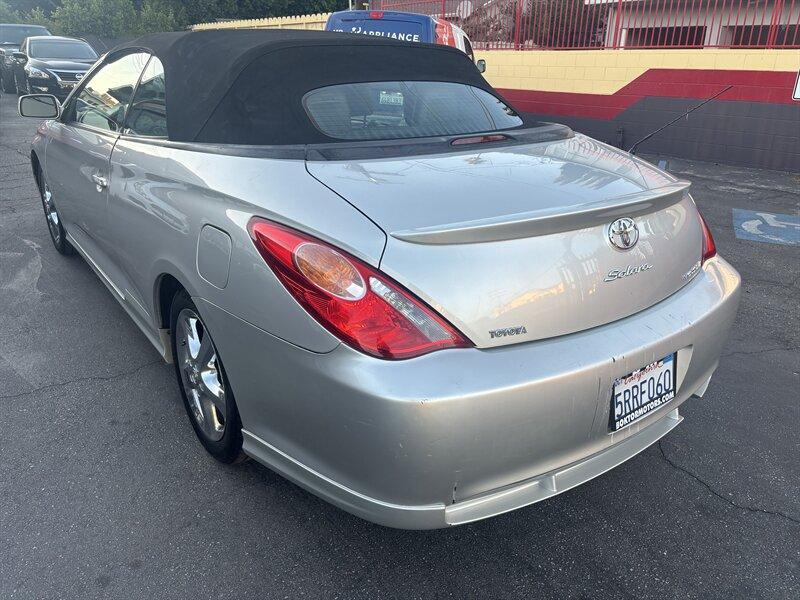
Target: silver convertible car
{"x":376,"y":277}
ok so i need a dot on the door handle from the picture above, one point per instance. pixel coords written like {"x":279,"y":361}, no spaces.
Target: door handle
{"x":100,"y":181}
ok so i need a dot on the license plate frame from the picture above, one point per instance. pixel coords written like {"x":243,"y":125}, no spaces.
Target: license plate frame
{"x":627,"y":409}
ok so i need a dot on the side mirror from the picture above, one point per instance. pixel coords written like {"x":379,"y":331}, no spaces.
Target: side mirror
{"x":40,"y":106}
{"x":481,"y":64}
{"x":20,"y":56}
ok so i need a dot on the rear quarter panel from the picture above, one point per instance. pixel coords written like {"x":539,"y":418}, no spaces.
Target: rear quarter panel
{"x":161,"y":197}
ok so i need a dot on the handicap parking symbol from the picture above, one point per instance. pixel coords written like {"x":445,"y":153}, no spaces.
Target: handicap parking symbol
{"x":772,"y":228}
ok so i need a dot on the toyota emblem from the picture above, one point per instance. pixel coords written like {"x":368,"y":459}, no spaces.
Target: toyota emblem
{"x":623,"y":233}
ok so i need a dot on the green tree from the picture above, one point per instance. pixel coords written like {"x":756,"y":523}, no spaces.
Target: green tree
{"x":156,"y":15}
{"x":25,"y":7}
{"x":188,"y":12}
{"x":7,"y":14}
{"x":105,"y":18}
{"x":37,"y":16}
{"x":311,"y":7}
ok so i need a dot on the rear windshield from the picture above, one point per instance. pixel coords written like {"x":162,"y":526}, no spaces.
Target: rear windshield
{"x":14,"y":34}
{"x":392,"y":110}
{"x":61,"y":49}
{"x":405,"y":31}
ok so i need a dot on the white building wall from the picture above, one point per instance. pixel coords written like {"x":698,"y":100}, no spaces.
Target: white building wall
{"x":718,"y":23}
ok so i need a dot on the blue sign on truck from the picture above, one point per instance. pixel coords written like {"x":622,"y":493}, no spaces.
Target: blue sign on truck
{"x":402,"y":26}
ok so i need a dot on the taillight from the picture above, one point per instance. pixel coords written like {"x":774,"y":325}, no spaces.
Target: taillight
{"x":444,"y":33}
{"x":479,"y":139}
{"x":357,"y":303}
{"x":709,"y":247}
{"x":376,"y":14}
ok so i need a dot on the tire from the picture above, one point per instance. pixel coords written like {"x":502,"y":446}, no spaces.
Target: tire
{"x":54,"y":224}
{"x":8,"y":84}
{"x":26,"y":87}
{"x":206,"y":394}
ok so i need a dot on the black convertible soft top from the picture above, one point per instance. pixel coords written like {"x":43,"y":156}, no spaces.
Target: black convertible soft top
{"x":246,"y":86}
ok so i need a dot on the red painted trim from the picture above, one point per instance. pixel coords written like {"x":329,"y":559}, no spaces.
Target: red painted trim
{"x":774,"y":87}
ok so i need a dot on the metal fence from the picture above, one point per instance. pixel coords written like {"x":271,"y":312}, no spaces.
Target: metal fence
{"x":583,"y":24}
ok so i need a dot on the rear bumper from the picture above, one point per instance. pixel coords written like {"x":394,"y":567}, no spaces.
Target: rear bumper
{"x":461,"y":435}
{"x":439,"y":515}
{"x":560,"y":480}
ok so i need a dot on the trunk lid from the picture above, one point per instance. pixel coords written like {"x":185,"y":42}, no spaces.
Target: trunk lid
{"x":512,"y":244}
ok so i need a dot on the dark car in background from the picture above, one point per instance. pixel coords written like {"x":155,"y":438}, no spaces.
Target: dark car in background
{"x":51,"y":65}
{"x":11,"y":37}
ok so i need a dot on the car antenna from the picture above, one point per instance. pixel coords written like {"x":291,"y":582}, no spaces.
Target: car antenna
{"x":675,"y":120}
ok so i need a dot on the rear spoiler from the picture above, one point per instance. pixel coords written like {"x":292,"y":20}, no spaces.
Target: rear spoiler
{"x":543,"y":222}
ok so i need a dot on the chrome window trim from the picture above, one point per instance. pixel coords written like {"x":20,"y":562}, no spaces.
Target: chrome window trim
{"x":129,"y":135}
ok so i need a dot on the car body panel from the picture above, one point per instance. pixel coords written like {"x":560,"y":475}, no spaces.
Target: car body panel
{"x":163,"y":197}
{"x":487,"y":181}
{"x":214,"y":249}
{"x":76,"y":156}
{"x":552,"y":277}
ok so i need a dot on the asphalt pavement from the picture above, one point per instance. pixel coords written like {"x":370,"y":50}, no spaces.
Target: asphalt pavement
{"x":105,"y":492}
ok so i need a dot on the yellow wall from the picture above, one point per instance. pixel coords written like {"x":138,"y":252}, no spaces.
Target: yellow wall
{"x":316,"y":21}
{"x":606,"y":71}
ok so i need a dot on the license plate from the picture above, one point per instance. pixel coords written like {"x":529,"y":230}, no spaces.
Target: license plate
{"x":641,"y":392}
{"x":393,"y":98}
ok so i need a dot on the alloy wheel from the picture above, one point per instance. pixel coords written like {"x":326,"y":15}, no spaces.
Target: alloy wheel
{"x":50,"y":212}
{"x":201,"y":374}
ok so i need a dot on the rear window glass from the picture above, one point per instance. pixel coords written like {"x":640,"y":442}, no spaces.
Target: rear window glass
{"x":406,"y":31}
{"x":393,"y":110}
